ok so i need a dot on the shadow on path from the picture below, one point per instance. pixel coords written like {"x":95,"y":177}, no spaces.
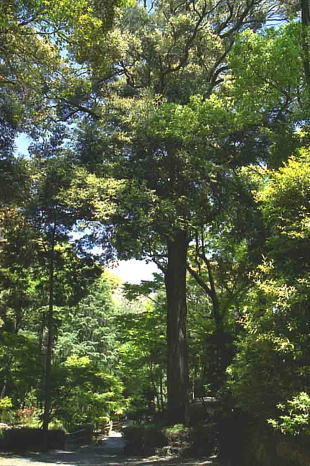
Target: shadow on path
{"x":107,"y":453}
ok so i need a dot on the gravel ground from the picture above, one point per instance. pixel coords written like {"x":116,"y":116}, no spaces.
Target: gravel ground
{"x":106,"y":454}
{"x":92,"y":460}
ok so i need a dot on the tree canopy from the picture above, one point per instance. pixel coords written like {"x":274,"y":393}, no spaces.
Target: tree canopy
{"x":168,"y":131}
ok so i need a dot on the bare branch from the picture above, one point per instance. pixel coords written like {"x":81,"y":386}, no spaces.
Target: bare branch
{"x":200,"y":281}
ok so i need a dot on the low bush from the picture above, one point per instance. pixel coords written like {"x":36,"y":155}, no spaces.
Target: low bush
{"x":178,"y":440}
{"x":143,"y":439}
{"x":25,"y":438}
{"x":246,"y":442}
{"x":198,"y":440}
{"x":177,"y":433}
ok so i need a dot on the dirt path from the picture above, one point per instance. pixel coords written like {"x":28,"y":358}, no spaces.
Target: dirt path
{"x":108,"y":453}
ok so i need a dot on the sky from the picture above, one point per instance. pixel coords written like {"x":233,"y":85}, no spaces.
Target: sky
{"x":134,"y":271}
{"x":22,"y":142}
{"x":131,"y":271}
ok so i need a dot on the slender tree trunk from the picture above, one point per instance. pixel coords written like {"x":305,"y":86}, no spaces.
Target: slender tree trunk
{"x":161,"y":392}
{"x":305,"y":18}
{"x":218,"y":317}
{"x":177,"y":370}
{"x":153,"y":385}
{"x":49,"y":346}
{"x":4,"y":386}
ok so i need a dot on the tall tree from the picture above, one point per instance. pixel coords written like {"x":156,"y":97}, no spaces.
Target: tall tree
{"x":51,"y":220}
{"x":170,"y":52}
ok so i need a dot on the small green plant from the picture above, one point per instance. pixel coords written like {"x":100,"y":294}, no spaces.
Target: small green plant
{"x":5,"y":403}
{"x":296,"y":417}
{"x":5,"y":407}
{"x":177,"y":432}
{"x":177,"y":429}
{"x":57,"y":424}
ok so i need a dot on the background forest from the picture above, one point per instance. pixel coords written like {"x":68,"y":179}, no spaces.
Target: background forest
{"x":168,"y":131}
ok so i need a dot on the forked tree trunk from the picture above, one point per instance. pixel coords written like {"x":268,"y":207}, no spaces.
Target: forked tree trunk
{"x":177,"y":370}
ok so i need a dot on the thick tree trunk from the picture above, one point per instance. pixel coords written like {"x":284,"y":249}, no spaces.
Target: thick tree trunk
{"x":177,"y":370}
{"x":49,"y":348}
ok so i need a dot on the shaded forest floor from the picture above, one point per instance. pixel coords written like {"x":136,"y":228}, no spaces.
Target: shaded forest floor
{"x":109,"y":453}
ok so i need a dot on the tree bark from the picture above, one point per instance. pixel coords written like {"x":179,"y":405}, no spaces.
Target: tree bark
{"x":49,"y":346}
{"x":177,"y":370}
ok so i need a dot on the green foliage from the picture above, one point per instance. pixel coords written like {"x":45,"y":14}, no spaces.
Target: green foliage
{"x":86,"y":393}
{"x":176,"y":430}
{"x":87,"y":328}
{"x":285,"y":202}
{"x":261,"y":77}
{"x":271,"y":365}
{"x":173,"y":117}
{"x":5,"y":403}
{"x":21,"y":366}
{"x":142,"y":352}
{"x":296,"y":416}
